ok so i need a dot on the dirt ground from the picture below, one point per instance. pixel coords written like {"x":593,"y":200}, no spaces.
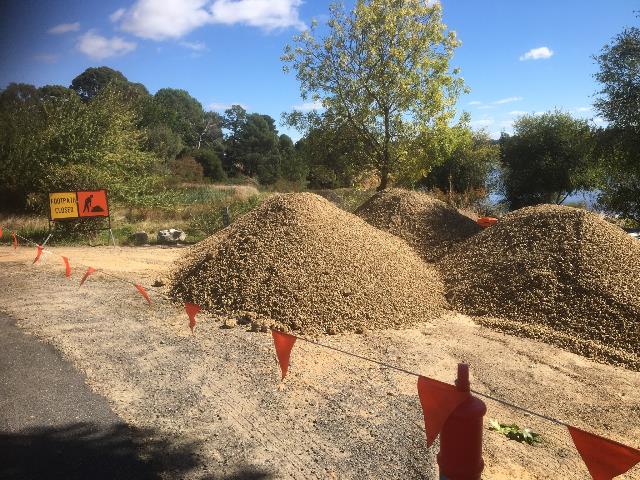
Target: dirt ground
{"x":334,"y":416}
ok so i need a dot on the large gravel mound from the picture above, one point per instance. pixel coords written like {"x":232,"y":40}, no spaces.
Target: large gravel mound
{"x":304,"y":263}
{"x":557,"y":267}
{"x":429,"y":225}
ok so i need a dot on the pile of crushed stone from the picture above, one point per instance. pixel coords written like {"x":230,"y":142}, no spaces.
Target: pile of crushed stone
{"x":307,"y":265}
{"x":429,"y":225}
{"x":560,"y":274}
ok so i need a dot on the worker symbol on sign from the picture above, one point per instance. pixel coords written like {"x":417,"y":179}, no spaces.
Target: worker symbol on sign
{"x":94,"y":203}
{"x":87,"y":204}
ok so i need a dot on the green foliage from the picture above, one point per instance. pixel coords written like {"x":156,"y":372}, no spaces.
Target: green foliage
{"x":183,"y":114}
{"x":187,"y":169}
{"x":514,"y":432}
{"x":58,"y":142}
{"x":467,"y":166}
{"x":619,"y":104}
{"x":211,"y":164}
{"x":209,"y":220}
{"x":547,"y":158}
{"x":383,"y":70}
{"x":90,"y":82}
{"x":293,"y":168}
{"x":163,"y":142}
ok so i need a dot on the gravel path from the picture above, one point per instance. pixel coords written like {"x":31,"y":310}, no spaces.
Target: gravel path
{"x":218,"y":397}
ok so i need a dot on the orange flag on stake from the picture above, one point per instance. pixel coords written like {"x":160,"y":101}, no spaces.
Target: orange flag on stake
{"x":143,"y":292}
{"x":38,"y":254}
{"x":67,"y":267}
{"x":438,"y":400}
{"x":192,"y":310}
{"x":0,"y":231}
{"x":15,"y":241}
{"x":283,"y":343}
{"x":604,"y":458}
{"x":89,"y":271}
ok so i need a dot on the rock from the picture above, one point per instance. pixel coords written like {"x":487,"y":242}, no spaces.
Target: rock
{"x":171,"y":236}
{"x":140,"y":238}
{"x":160,"y":282}
{"x":229,"y":323}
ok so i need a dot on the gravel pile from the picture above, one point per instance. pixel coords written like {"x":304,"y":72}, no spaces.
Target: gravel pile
{"x":429,"y":225}
{"x":555,"y":267}
{"x":300,"y":261}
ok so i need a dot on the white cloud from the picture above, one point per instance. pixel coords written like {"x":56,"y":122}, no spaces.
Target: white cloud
{"x":164,"y":19}
{"x":117,"y":15}
{"x":483,"y":122}
{"x":267,"y":14}
{"x":475,"y":102}
{"x":507,"y":100}
{"x":537,"y":54}
{"x":308,"y":106}
{"x":99,"y":47}
{"x":195,"y":46}
{"x":46,"y":58}
{"x":64,"y":28}
{"x":517,"y":112}
{"x":219,"y":106}
{"x":584,"y":109}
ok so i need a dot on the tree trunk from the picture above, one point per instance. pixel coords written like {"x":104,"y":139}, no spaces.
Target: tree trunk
{"x":384,"y":180}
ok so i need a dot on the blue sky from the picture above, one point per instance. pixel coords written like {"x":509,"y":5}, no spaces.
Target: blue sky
{"x":517,"y":56}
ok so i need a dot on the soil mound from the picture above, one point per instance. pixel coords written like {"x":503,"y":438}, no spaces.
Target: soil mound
{"x":299,"y":260}
{"x":554,"y":267}
{"x":429,"y":225}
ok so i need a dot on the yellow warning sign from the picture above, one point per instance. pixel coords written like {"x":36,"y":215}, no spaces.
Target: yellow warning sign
{"x":63,"y":205}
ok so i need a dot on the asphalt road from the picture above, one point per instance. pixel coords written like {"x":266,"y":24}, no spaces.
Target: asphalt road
{"x":51,"y":425}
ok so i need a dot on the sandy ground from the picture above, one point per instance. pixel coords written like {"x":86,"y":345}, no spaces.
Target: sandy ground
{"x":334,"y":416}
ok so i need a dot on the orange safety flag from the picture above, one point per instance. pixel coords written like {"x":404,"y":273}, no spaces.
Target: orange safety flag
{"x":143,"y":292}
{"x":89,"y":271}
{"x":0,"y":231}
{"x":40,"y":247}
{"x":485,"y":222}
{"x":15,"y":240}
{"x":604,"y":458}
{"x":192,"y":309}
{"x":283,"y":343}
{"x":67,"y":267}
{"x":438,"y":400}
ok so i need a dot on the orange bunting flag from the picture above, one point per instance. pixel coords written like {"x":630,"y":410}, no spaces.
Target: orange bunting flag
{"x":192,"y":310}
{"x":143,"y":292}
{"x":89,"y":271}
{"x":604,"y":458}
{"x":67,"y":272}
{"x":38,"y":254}
{"x":438,"y":400}
{"x":15,"y":241}
{"x":283,"y":343}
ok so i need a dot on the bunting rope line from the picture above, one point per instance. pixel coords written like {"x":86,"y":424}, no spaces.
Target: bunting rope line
{"x":408,"y":372}
{"x":579,"y":437}
{"x":97,"y":270}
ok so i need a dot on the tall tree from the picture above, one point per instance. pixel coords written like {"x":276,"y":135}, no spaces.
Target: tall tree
{"x":384,"y":70}
{"x":619,"y":104}
{"x":89,"y":83}
{"x":182,"y":113}
{"x":547,"y":158}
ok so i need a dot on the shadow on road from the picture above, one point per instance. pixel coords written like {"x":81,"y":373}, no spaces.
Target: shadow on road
{"x":90,"y":451}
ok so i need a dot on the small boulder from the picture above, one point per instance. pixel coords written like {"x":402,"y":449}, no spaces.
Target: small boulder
{"x":171,"y":236}
{"x":140,"y":238}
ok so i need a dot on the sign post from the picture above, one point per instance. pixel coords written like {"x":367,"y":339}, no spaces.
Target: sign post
{"x":69,"y":206}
